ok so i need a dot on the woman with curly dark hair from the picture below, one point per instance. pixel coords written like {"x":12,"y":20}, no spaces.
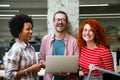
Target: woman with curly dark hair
{"x":21,"y":61}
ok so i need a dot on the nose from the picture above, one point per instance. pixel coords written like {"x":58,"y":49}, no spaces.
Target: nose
{"x":87,"y":32}
{"x":31,"y":31}
{"x":60,"y":21}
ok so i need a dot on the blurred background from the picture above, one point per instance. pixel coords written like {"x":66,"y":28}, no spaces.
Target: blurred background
{"x":106,"y":11}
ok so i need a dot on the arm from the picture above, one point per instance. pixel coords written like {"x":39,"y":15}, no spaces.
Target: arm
{"x":74,"y":45}
{"x":13,"y":68}
{"x":42,"y":54}
{"x":107,"y":60}
{"x":33,"y":68}
{"x":12,"y":63}
{"x":76,"y":48}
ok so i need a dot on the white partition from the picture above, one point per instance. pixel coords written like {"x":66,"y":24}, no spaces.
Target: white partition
{"x":114,"y":54}
{"x":37,"y":56}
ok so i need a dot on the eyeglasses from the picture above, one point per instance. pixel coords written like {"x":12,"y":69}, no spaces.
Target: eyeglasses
{"x":58,"y":20}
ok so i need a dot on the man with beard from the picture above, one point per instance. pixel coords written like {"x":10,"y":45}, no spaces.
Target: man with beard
{"x":58,"y":43}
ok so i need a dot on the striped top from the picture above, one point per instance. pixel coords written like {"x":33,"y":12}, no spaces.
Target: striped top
{"x":101,"y":57}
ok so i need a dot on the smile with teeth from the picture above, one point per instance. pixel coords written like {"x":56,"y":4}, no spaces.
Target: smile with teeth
{"x":87,"y":36}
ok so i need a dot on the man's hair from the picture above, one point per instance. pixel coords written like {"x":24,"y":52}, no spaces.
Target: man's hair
{"x":60,"y":12}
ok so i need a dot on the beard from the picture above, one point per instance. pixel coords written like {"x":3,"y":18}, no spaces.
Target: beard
{"x":60,"y":29}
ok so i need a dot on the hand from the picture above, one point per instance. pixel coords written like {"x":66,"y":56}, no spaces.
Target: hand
{"x":62,"y":73}
{"x":36,"y":67}
{"x":43,"y":64}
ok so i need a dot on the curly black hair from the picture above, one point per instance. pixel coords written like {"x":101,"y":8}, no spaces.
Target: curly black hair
{"x":16,"y":24}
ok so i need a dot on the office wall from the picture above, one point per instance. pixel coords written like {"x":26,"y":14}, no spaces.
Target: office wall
{"x":40,"y":29}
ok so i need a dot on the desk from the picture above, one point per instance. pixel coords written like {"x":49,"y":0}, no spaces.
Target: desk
{"x":40,"y":73}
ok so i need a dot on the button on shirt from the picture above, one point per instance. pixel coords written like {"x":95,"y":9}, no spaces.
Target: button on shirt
{"x":20,"y":57}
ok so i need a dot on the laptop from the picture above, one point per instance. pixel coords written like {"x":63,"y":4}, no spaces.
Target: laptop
{"x":62,"y":63}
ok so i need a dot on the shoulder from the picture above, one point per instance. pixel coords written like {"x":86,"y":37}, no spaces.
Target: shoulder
{"x":16,"y":47}
{"x":15,"y":51}
{"x":48,"y":36}
{"x":47,"y":39}
{"x":104,"y":50}
{"x":70,"y":37}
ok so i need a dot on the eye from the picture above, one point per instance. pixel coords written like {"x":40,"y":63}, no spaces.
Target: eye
{"x":91,"y":30}
{"x":58,"y":19}
{"x":85,"y":30}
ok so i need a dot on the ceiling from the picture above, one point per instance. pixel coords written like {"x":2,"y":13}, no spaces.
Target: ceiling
{"x":40,"y":7}
{"x":26,"y":6}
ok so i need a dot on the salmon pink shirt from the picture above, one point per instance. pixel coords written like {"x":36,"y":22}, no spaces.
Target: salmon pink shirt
{"x":46,"y":48}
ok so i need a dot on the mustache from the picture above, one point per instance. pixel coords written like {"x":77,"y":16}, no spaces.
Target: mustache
{"x":60,"y":24}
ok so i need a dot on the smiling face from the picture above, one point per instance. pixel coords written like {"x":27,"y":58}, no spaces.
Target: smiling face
{"x":60,"y":22}
{"x":88,"y":34}
{"x":26,"y":33}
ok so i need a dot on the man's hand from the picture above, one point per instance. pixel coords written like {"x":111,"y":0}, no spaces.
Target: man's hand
{"x":62,"y":73}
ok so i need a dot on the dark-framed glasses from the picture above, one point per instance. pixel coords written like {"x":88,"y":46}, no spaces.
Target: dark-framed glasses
{"x":58,"y":20}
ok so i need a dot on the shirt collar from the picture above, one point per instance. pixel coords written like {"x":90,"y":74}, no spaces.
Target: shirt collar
{"x":65,"y":38}
{"x":22,"y":44}
{"x":52,"y":38}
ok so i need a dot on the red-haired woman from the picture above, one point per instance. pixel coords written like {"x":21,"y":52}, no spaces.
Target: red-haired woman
{"x":93,"y":49}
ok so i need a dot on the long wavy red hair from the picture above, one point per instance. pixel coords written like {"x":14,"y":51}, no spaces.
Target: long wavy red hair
{"x":98,"y":30}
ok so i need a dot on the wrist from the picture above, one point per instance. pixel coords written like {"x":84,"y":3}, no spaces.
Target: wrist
{"x":43,"y":64}
{"x":26,"y":71}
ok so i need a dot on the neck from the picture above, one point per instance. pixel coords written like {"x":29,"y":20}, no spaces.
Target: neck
{"x":60,"y":36}
{"x":23,"y":41}
{"x":91,"y":45}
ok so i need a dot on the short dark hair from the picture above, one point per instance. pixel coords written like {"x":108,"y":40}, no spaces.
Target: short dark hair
{"x":16,"y":24}
{"x":60,"y":12}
